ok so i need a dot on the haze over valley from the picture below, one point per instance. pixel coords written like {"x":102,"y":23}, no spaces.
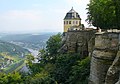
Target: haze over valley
{"x":32,"y":41}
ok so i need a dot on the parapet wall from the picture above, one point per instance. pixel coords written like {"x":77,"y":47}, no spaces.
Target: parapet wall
{"x":105,"y":61}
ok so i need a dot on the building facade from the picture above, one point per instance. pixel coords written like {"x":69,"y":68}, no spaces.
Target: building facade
{"x":72,"y":19}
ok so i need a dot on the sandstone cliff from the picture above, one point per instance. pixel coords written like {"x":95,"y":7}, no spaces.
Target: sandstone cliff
{"x":104,"y":50}
{"x":105,"y":61}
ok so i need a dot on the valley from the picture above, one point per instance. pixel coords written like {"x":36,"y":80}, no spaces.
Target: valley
{"x":15,"y":47}
{"x":11,"y":56}
{"x":32,"y":41}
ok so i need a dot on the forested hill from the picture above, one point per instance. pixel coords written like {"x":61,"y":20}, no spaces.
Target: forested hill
{"x":32,"y":41}
{"x":12,"y":49}
{"x":29,"y":38}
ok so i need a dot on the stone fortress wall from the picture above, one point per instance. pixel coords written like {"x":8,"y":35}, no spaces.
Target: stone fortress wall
{"x":102,"y":47}
{"x":79,"y":41}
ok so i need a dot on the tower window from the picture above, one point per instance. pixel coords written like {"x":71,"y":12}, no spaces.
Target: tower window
{"x":76,"y":22}
{"x":73,"y":22}
{"x":69,"y":22}
{"x":66,"y":22}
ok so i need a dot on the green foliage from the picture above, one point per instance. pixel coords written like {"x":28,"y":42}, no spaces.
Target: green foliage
{"x":80,"y":72}
{"x":42,"y":78}
{"x":63,"y":66}
{"x":54,"y":44}
{"x":104,"y":13}
{"x":11,"y":78}
{"x":50,"y":53}
{"x":53,"y":67}
{"x":29,"y":59}
{"x":43,"y":56}
{"x":60,"y":67}
{"x":34,"y":67}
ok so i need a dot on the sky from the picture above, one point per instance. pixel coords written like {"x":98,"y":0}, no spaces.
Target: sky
{"x":38,"y":15}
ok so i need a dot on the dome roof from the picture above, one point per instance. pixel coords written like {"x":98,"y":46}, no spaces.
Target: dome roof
{"x":72,"y":14}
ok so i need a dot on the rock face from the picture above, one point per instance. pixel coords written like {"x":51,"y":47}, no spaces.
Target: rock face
{"x":105,"y":61}
{"x":113,"y":73}
{"x":79,"y":41}
{"x":104,"y":50}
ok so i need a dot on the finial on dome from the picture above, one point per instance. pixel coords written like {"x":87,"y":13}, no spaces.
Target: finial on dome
{"x":72,"y":7}
{"x":72,"y":10}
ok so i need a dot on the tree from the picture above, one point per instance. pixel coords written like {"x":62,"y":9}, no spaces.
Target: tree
{"x":29,"y":59}
{"x":104,"y":13}
{"x":80,"y":72}
{"x":11,"y":78}
{"x":57,"y":68}
{"x":33,"y":67}
{"x":63,"y":66}
{"x":41,"y":78}
{"x":116,"y":3}
{"x":43,"y":56}
{"x":54,"y":44}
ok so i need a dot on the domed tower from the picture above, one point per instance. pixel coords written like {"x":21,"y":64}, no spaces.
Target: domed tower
{"x":72,"y":18}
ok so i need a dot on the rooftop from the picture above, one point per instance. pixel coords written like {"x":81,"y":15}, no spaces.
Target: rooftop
{"x":72,"y":14}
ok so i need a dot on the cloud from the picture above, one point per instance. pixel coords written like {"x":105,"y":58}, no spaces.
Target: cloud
{"x":22,"y":14}
{"x":20,"y":20}
{"x":31,"y":20}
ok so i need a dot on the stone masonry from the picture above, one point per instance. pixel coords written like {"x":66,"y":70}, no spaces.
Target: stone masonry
{"x":105,"y":61}
{"x":102,"y":47}
{"x":79,"y":41}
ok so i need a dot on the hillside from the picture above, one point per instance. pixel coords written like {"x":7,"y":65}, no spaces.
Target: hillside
{"x":11,"y":56}
{"x":11,"y":49}
{"x":33,"y":41}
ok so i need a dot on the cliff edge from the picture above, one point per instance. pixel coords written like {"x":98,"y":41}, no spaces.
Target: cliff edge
{"x":105,"y":60}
